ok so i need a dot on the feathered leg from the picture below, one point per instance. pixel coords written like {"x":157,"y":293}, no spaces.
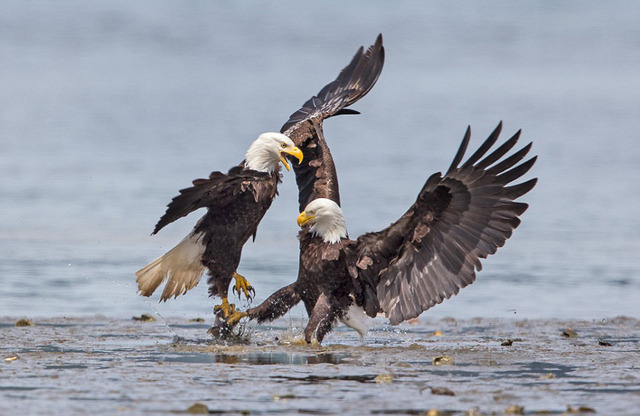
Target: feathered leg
{"x":274,"y":307}
{"x":321,"y":319}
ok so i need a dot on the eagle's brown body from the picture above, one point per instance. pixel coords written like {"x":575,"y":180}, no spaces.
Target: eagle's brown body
{"x":227,"y":225}
{"x":236,"y":203}
{"x":323,"y":285}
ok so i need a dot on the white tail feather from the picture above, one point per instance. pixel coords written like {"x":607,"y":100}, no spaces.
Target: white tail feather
{"x":182,"y":265}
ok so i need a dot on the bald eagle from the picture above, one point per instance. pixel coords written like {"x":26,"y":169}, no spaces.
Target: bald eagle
{"x":237,"y":201}
{"x":423,"y":258}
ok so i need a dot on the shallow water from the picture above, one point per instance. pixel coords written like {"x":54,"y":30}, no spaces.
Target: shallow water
{"x":105,"y":366}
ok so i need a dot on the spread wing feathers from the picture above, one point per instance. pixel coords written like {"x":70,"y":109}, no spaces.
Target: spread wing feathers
{"x":316,"y":175}
{"x":216,"y":192}
{"x":434,"y":249}
{"x":354,"y":82}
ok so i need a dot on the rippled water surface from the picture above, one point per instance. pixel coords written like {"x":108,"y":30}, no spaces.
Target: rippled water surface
{"x":106,"y":366}
{"x":108,"y":108}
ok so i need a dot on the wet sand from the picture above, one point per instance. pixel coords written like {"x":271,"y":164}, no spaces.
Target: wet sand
{"x":105,"y":366}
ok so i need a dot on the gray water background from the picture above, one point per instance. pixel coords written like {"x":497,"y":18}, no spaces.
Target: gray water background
{"x":107,"y":109}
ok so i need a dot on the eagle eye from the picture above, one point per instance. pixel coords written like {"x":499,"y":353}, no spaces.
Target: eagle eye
{"x":283,"y":144}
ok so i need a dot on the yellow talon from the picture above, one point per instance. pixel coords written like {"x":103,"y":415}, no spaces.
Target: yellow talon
{"x":226,"y":308}
{"x":243,"y":285}
{"x":235,"y":318}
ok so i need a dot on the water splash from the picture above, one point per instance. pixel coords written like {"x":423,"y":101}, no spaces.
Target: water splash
{"x":164,"y":321}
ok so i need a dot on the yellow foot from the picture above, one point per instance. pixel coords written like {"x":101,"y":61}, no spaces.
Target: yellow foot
{"x":235,"y":318}
{"x":243,"y":285}
{"x":225,"y":307}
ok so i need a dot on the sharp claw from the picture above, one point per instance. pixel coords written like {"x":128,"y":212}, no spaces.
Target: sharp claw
{"x":242,"y":287}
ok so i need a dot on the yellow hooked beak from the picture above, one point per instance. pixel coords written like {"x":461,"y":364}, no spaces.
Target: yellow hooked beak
{"x":303,"y":218}
{"x":295,"y":152}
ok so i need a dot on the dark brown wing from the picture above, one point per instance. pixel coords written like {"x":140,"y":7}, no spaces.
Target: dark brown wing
{"x":433,"y":250}
{"x":218,"y":191}
{"x":316,"y":175}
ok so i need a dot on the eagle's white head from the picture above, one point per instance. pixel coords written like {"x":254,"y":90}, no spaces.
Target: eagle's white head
{"x":265,"y":153}
{"x":327,"y":220}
